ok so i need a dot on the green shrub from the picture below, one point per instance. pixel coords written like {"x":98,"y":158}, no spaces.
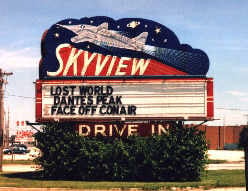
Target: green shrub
{"x":179,"y":155}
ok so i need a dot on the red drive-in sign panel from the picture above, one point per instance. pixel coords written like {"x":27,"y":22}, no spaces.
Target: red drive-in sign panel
{"x":97,"y":70}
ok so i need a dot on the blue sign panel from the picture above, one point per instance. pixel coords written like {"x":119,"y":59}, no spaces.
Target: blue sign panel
{"x":128,"y":37}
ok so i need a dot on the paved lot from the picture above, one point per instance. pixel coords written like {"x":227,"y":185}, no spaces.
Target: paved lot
{"x":19,"y":168}
{"x":231,"y":156}
{"x":235,"y":160}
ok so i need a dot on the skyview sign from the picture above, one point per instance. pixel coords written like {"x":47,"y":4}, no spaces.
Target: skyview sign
{"x":101,"y":69}
{"x":102,"y":46}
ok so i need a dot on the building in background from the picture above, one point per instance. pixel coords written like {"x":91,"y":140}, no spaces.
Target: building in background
{"x":222,"y":137}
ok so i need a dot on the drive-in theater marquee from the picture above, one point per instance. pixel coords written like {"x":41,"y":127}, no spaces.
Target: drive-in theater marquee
{"x":98,"y":70}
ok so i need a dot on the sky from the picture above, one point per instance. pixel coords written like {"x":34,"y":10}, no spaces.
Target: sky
{"x":217,"y":27}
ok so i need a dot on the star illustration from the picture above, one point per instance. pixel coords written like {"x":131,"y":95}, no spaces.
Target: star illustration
{"x":157,"y":30}
{"x":146,"y":26}
{"x":91,"y":21}
{"x":133,"y":24}
{"x":56,"y":35}
{"x":69,"y":22}
{"x":88,"y":46}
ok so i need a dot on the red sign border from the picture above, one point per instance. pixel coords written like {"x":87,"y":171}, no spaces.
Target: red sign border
{"x":210,"y":99}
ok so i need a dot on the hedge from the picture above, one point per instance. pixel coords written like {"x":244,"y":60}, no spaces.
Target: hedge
{"x":179,"y":155}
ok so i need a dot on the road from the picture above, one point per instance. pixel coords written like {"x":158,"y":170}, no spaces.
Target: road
{"x":132,"y":189}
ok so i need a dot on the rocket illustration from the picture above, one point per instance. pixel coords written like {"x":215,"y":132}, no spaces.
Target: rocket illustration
{"x":101,"y":36}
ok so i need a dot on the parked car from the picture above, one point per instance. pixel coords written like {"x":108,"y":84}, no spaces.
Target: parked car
{"x":7,"y":151}
{"x":19,"y":150}
{"x":19,"y":145}
{"x":15,"y":150}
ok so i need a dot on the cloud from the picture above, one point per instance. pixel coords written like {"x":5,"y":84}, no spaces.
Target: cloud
{"x":237,"y":93}
{"x":16,"y":59}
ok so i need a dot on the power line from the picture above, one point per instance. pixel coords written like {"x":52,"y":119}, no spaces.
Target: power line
{"x":231,"y":109}
{"x":20,"y":96}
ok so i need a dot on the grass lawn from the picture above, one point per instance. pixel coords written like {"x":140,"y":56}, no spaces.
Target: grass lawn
{"x":31,"y":162}
{"x":211,"y":161}
{"x":218,"y":178}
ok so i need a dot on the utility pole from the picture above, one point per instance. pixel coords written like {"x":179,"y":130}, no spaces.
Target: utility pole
{"x":2,"y":82}
{"x":8,"y":129}
{"x":6,"y":137}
